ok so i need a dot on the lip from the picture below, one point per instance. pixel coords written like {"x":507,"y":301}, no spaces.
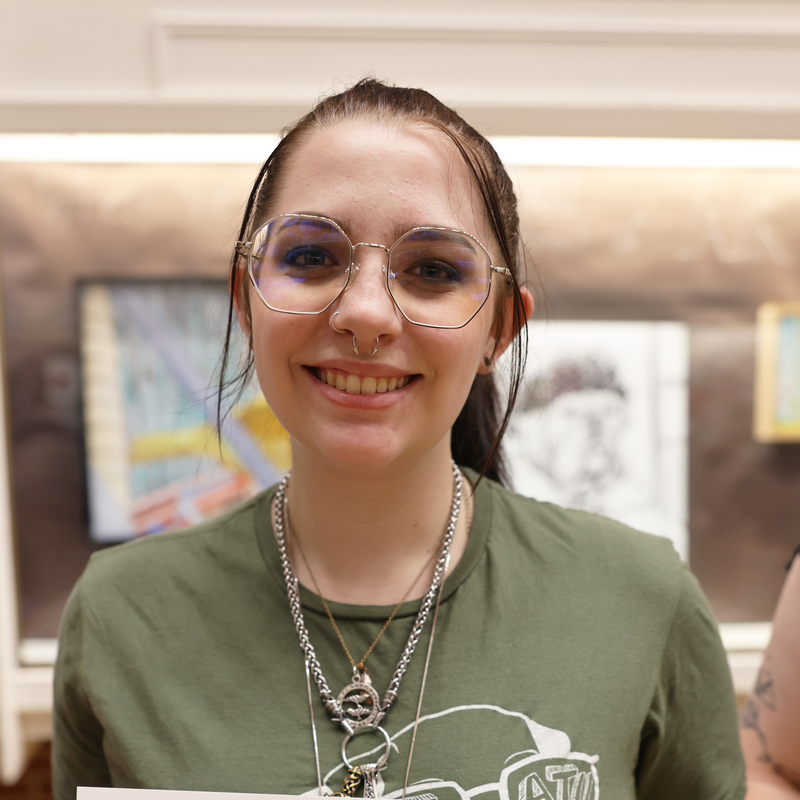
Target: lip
{"x":364,"y":402}
{"x":365,"y":369}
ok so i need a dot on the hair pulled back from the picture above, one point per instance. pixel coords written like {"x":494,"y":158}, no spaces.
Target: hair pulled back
{"x":479,"y":428}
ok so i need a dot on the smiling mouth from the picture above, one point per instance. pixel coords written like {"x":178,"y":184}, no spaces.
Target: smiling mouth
{"x":356,"y":384}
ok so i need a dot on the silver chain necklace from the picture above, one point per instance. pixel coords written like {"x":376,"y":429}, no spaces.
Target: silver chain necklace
{"x":358,"y":706}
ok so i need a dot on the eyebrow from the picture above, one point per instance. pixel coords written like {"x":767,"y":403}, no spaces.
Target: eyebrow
{"x":397,"y":231}
{"x":342,"y":223}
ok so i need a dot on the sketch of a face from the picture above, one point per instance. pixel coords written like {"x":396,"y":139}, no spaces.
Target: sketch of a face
{"x":585,"y":409}
{"x":585,"y":427}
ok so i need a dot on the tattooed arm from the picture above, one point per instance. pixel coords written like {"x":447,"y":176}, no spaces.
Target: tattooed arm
{"x":770,"y":721}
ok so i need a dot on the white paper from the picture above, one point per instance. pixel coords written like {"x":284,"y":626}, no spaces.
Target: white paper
{"x":107,"y":793}
{"x":615,"y":442}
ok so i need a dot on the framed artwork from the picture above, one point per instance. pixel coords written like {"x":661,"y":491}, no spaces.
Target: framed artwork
{"x":154,"y":461}
{"x":776,"y":416}
{"x":601,"y":422}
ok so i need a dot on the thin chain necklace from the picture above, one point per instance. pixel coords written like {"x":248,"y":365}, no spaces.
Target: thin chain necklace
{"x":358,"y":706}
{"x":355,"y":771}
{"x":360,"y":665}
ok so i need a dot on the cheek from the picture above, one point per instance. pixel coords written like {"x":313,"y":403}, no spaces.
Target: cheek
{"x":462,"y":357}
{"x":272,"y":338}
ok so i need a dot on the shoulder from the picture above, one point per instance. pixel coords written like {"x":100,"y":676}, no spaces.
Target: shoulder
{"x":226,"y":543}
{"x":578,"y":536}
{"x":591,"y":563}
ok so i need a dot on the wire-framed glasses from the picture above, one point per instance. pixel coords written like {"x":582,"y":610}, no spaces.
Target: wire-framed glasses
{"x":437,"y":277}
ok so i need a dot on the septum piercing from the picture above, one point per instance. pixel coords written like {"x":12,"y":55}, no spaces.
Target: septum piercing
{"x":374,"y":350}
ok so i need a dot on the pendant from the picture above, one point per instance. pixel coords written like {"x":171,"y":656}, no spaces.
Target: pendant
{"x":351,"y":782}
{"x":370,"y":778}
{"x":368,"y":773}
{"x":359,"y":701}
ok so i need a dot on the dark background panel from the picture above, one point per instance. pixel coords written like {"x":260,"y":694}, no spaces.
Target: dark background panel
{"x":702,"y":247}
{"x":60,"y":224}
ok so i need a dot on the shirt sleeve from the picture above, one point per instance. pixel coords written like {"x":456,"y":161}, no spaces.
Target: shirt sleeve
{"x":77,"y":755}
{"x":689,"y":743}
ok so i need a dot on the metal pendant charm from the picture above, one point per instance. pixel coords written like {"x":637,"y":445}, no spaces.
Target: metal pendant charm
{"x":370,"y":772}
{"x":351,"y":783}
{"x":359,"y":702}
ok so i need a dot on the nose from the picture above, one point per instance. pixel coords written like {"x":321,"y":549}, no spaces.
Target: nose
{"x":365,"y":307}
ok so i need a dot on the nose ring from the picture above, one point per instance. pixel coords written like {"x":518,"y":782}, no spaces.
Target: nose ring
{"x":374,"y":350}
{"x":333,"y":325}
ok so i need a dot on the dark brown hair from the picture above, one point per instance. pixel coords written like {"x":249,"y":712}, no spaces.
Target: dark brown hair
{"x":479,"y":428}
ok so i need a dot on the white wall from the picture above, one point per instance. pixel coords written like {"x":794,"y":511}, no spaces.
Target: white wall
{"x":588,"y":67}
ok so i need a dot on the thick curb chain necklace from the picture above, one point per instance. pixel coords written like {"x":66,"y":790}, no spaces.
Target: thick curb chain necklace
{"x":358,"y":706}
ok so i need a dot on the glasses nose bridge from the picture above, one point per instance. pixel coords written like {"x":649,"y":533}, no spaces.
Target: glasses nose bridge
{"x":357,"y":267}
{"x":369,"y":244}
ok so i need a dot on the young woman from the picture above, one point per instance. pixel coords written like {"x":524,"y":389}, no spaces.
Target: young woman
{"x":384,"y":622}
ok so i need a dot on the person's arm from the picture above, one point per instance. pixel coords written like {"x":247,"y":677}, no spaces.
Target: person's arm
{"x":689,"y":744}
{"x":770,"y":719}
{"x":77,"y":756}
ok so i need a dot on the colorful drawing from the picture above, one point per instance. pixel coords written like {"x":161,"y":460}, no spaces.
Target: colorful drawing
{"x":149,"y":356}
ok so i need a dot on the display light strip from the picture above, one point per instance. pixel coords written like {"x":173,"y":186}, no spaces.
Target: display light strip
{"x":136,"y":148}
{"x":660,"y":153}
{"x":541,"y":151}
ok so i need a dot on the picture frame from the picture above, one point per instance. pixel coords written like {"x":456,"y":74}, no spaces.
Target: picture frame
{"x":159,"y":455}
{"x":776,"y":415}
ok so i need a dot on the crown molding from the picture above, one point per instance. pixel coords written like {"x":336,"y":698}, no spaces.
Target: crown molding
{"x":607,"y":23}
{"x":574,"y":67}
{"x":107,"y":116}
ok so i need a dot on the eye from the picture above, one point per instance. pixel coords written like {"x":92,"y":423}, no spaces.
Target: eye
{"x":434,"y":273}
{"x":309,"y":257}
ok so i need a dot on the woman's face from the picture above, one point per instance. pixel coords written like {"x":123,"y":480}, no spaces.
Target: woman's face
{"x":377,"y":182}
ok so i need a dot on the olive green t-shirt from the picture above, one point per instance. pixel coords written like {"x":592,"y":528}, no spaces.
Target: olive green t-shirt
{"x":574,"y":659}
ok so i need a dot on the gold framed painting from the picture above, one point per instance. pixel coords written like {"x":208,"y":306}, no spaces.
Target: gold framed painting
{"x":777,"y":384}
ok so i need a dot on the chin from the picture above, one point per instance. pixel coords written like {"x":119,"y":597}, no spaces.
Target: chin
{"x":361,"y":450}
{"x":360,"y":456}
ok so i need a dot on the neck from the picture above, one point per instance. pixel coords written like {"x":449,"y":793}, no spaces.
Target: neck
{"x":389,"y":523}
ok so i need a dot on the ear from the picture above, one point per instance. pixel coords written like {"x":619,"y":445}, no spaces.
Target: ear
{"x":497,"y":345}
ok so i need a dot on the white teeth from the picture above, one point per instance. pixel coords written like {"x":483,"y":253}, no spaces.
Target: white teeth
{"x":354,"y":384}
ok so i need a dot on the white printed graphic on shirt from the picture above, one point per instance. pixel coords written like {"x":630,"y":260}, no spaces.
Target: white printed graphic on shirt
{"x":549,"y":770}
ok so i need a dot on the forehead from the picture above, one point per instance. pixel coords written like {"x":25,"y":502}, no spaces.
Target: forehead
{"x":381,"y":180}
